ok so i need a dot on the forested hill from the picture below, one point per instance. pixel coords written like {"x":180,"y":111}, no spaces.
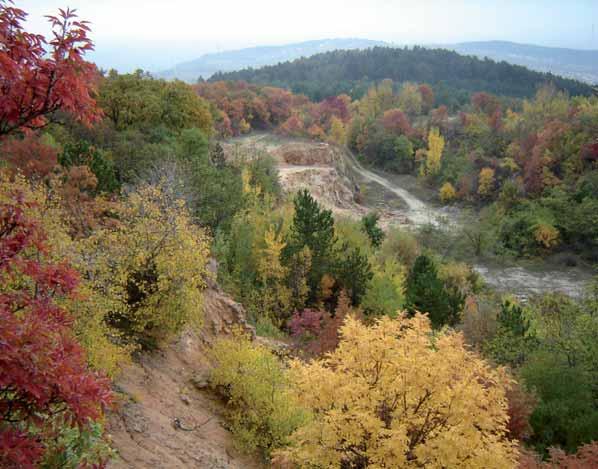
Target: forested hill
{"x":452,"y":75}
{"x":208,"y":64}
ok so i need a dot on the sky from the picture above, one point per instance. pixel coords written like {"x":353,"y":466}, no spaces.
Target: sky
{"x":156,"y":34}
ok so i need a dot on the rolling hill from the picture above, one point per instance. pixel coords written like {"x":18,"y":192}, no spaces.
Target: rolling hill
{"x":573,"y":63}
{"x":452,"y":75}
{"x":208,"y":64}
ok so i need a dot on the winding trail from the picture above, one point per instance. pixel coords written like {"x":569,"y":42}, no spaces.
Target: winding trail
{"x":418,"y":212}
{"x":521,"y":281}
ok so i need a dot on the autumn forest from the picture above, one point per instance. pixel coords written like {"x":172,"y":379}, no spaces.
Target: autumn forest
{"x":368,"y":339}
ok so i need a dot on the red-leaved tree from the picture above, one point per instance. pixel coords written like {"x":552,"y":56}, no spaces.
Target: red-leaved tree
{"x":39,"y":77}
{"x":586,"y":457}
{"x":395,"y":120}
{"x":43,"y":373}
{"x":30,"y":155}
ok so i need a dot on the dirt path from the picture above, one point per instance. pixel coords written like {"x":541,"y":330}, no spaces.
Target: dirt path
{"x":418,"y":212}
{"x":519,"y":280}
{"x":324,"y":169}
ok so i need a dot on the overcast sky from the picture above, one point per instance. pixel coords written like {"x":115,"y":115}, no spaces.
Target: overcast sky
{"x":156,"y":34}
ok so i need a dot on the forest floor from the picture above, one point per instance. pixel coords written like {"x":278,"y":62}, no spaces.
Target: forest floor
{"x":342,"y":184}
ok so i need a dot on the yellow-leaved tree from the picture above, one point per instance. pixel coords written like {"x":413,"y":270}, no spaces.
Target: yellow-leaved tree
{"x":434,"y":152}
{"x":398,"y":395}
{"x":486,"y":182}
{"x":447,"y":192}
{"x":275,"y":296}
{"x":338,"y":132}
{"x":150,"y":267}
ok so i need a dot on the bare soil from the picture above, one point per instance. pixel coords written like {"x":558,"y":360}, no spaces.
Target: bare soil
{"x":166,"y":415}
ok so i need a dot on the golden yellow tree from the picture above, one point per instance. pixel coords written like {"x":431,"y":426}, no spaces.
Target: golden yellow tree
{"x":447,"y":192}
{"x":338,"y":132}
{"x":434,"y":153}
{"x":486,"y":182}
{"x":546,"y":235}
{"x":398,"y":395}
{"x":275,"y":297}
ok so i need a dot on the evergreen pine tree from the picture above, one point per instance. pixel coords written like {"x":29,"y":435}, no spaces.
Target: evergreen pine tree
{"x":426,"y":293}
{"x":354,"y":274}
{"x":369,"y":224}
{"x":312,"y":227}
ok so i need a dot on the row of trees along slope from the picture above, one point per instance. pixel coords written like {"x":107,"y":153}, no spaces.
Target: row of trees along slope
{"x":453,"y":75}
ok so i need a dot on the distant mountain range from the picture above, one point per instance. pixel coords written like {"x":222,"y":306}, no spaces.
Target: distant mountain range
{"x":255,"y":57}
{"x":573,"y":63}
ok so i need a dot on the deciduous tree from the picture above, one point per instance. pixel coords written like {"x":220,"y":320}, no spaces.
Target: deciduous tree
{"x":434,"y":153}
{"x":394,"y":395}
{"x":44,"y":378}
{"x":40,"y":76}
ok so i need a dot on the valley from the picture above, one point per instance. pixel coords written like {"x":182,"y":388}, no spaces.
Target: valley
{"x":367,"y":257}
{"x":334,"y":177}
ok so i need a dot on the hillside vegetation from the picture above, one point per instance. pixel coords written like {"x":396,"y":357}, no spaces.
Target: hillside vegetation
{"x":572,"y":63}
{"x":352,"y":72}
{"x":228,"y":61}
{"x":531,"y":164}
{"x":374,"y":348}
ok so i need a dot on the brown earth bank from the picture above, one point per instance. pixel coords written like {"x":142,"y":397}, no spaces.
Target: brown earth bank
{"x":323,"y":169}
{"x":166,"y":416}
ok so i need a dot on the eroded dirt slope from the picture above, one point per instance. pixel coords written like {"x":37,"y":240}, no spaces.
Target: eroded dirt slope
{"x":333,"y":179}
{"x":167,"y":418}
{"x":340,"y":183}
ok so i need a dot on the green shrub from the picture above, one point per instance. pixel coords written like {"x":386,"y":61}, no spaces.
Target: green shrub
{"x":261,"y":412}
{"x":75,"y":447}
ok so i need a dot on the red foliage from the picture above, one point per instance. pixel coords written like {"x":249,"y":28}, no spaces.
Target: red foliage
{"x":533,"y":167}
{"x":532,"y":176}
{"x":427,"y":96}
{"x":241,"y":103}
{"x":439,"y":115}
{"x":485,"y":103}
{"x":590,"y":152}
{"x":495,"y":120}
{"x":465,"y":186}
{"x":586,"y":457}
{"x":43,"y":373}
{"x":316,"y":331}
{"x":32,"y":157}
{"x":305,"y":322}
{"x":395,"y":120}
{"x":279,"y":102}
{"x":464,"y":119}
{"x":337,"y":106}
{"x":293,"y":126}
{"x":35,"y":82}
{"x":521,"y":406}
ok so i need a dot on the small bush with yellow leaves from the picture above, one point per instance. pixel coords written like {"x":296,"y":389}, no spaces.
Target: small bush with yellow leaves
{"x":262,"y":411}
{"x":447,"y":193}
{"x":150,"y":267}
